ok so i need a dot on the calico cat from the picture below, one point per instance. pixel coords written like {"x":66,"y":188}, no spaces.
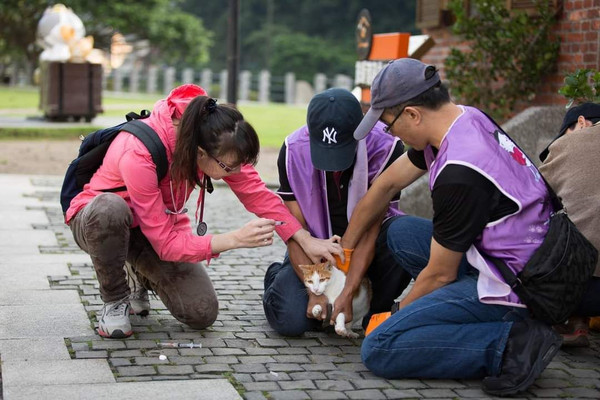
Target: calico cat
{"x":326,"y":279}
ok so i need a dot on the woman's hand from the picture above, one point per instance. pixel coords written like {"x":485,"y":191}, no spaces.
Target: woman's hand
{"x":318,"y":249}
{"x":256,"y":233}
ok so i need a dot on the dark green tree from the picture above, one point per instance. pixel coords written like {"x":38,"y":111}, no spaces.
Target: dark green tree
{"x":581,"y":86}
{"x":18,"y":25}
{"x":175,"y":36}
{"x":331,"y":22}
{"x":508,"y":54}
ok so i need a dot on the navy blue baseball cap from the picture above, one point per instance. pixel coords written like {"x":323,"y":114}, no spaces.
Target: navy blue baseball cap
{"x":398,"y":82}
{"x":332,"y":117}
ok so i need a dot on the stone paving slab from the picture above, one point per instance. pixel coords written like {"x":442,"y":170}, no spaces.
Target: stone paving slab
{"x":19,"y":297}
{"x":23,"y":220}
{"x":24,"y":241}
{"x":54,"y":372}
{"x":34,"y":321}
{"x":242,"y":348}
{"x":32,"y":276}
{"x":214,"y":389}
{"x":34,"y":349}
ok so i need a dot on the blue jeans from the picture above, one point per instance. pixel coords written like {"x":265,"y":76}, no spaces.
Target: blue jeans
{"x":448,"y":333}
{"x":285,"y":298}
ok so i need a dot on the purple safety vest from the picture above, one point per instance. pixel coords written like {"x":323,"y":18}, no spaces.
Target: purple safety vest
{"x":475,"y":141}
{"x":309,"y":184}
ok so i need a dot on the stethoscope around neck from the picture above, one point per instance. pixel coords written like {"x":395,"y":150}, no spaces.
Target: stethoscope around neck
{"x":207,"y":185}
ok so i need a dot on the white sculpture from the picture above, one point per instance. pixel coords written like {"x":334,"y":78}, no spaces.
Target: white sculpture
{"x":61,"y":34}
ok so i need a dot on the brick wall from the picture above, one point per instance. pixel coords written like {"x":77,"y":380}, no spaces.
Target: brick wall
{"x":578,"y":26}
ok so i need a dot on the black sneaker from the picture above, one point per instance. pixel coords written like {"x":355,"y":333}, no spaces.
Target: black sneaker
{"x":530,"y":347}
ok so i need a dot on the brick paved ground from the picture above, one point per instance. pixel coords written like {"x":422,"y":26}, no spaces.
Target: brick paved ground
{"x":258,"y":362}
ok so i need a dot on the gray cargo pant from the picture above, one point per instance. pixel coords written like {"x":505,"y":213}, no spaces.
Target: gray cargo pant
{"x":102,"y":229}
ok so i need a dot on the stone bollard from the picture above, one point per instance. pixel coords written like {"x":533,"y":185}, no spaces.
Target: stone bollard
{"x":343,"y":81}
{"x":244,"y":89}
{"x":187,"y":76}
{"x":151,"y":82}
{"x":117,"y":80}
{"x":169,"y":82}
{"x":134,"y":79}
{"x":206,"y":79}
{"x":264,"y":86}
{"x":320,"y":82}
{"x":290,"y":88}
{"x":223,"y":84}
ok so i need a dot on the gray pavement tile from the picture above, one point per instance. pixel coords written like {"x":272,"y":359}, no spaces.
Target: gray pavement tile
{"x":43,"y":320}
{"x":55,"y":372}
{"x":366,"y":394}
{"x":254,"y":396}
{"x":437,"y":393}
{"x":329,"y":395}
{"x":37,"y":349}
{"x":582,"y":392}
{"x":297,"y":384}
{"x":289,"y":395}
{"x":406,"y":394}
{"x":332,"y":384}
{"x":209,"y":389}
{"x":249,"y":368}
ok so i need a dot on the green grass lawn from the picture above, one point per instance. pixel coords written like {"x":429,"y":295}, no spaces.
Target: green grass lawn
{"x":273,"y":122}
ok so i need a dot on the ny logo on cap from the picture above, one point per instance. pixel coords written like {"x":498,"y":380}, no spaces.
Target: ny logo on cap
{"x":329,"y":134}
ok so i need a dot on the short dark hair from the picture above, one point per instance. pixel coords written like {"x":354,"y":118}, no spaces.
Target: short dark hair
{"x":217,"y":128}
{"x":433,"y":98}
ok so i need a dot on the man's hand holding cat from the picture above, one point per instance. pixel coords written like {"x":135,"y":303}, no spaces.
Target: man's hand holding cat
{"x":314,"y":303}
{"x":343,"y":304}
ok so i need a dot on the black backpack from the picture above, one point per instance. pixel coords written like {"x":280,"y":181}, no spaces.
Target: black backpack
{"x":94,"y":147}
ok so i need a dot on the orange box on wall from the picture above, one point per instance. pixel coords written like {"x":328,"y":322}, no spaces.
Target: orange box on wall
{"x":389,"y":46}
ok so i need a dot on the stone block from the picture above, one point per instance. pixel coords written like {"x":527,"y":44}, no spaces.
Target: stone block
{"x":58,"y":372}
{"x":43,"y":320}
{"x":41,"y":349}
{"x":203,"y":389}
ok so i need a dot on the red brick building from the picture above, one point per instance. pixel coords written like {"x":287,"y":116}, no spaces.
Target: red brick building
{"x":578,"y":24}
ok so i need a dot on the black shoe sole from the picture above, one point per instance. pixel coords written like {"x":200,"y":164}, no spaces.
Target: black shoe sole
{"x":536,"y":370}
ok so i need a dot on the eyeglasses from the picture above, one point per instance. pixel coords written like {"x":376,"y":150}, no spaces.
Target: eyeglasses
{"x":389,"y":126}
{"x":225,"y":167}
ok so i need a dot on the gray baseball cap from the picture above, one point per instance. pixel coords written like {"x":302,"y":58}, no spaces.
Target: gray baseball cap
{"x":398,"y":82}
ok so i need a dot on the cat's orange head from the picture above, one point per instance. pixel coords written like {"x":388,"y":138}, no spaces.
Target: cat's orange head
{"x":316,"y":276}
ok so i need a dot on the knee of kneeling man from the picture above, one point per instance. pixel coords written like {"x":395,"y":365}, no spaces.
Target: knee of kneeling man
{"x":282,"y":322}
{"x":289,"y":329}
{"x":369,"y":358}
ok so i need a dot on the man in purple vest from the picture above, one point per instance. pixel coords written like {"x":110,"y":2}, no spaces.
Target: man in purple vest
{"x":460,"y":320}
{"x":323,"y":173}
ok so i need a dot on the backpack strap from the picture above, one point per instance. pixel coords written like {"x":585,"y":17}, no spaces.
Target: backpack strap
{"x":155,"y":146}
{"x":130,"y":116}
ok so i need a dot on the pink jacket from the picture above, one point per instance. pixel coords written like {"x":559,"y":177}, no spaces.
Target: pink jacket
{"x":128,"y":163}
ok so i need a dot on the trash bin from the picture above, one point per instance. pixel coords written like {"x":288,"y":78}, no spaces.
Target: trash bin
{"x":70,"y":90}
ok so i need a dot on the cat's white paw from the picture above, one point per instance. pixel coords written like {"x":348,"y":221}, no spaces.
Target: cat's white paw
{"x":352,"y":335}
{"x":340,"y":325}
{"x":317,"y":311}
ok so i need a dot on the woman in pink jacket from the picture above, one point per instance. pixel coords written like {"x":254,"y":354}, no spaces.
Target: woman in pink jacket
{"x":146,"y":227}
